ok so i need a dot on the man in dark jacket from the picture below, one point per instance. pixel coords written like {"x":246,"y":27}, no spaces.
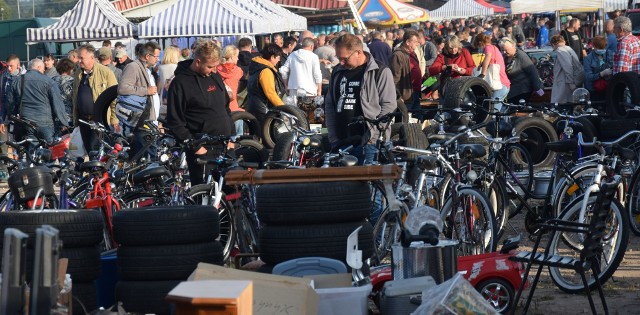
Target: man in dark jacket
{"x":379,"y":49}
{"x":198,"y":103}
{"x":39,"y":100}
{"x":265,"y":85}
{"x":405,"y":67}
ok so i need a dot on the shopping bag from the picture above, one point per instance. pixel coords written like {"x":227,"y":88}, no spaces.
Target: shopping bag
{"x":76,"y":146}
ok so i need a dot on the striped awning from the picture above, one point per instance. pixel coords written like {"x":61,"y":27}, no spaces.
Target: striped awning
{"x":282,"y":19}
{"x":88,"y":20}
{"x":455,"y":9}
{"x":188,"y":18}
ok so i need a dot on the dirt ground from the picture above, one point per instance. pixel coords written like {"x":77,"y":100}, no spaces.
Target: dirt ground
{"x":622,"y":291}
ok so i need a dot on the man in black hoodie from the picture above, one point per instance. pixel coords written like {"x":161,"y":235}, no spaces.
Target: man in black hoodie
{"x":198,"y":103}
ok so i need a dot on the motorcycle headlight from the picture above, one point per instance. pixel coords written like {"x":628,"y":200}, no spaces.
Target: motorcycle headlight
{"x":306,"y":141}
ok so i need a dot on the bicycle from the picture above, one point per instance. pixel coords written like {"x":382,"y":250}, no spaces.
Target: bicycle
{"x":578,"y":210}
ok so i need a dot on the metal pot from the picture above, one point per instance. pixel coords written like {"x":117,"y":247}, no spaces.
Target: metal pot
{"x":439,"y":261}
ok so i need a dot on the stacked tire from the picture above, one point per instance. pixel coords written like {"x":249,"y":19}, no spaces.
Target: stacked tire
{"x":159,"y":248}
{"x":313,"y":220}
{"x":81,"y":234}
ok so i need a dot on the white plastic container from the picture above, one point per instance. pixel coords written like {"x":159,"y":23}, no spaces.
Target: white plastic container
{"x":346,"y":300}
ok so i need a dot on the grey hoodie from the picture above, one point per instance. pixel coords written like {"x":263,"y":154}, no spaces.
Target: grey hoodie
{"x":376,"y":98}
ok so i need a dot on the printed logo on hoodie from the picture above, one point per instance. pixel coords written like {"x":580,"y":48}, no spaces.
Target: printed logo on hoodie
{"x":211,"y":88}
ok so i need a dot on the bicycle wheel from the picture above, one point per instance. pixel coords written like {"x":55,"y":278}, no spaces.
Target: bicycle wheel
{"x":568,"y":244}
{"x":567,"y":191}
{"x":386,"y":232}
{"x":494,"y":191}
{"x":632,"y":205}
{"x":201,"y":195}
{"x":472,"y":224}
{"x":519,"y":163}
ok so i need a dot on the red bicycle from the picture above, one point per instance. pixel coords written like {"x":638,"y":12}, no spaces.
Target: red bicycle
{"x":99,"y":192}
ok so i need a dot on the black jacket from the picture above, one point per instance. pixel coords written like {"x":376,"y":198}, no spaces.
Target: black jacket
{"x":197,"y":104}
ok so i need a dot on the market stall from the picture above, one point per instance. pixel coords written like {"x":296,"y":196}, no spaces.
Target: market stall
{"x":390,"y":12}
{"x":455,"y":9}
{"x":214,"y":18}
{"x":88,"y":20}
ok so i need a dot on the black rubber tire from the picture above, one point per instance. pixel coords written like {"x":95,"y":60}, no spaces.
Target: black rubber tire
{"x":313,"y":203}
{"x":78,"y":228}
{"x":539,"y":132}
{"x":269,"y":136}
{"x":395,"y":134}
{"x":616,"y":94}
{"x":145,"y":296}
{"x":282,"y":243}
{"x":102,"y":103}
{"x":464,"y":90}
{"x":169,"y":262}
{"x":84,"y":263}
{"x":611,"y":129}
{"x":485,"y":289}
{"x":166,"y":225}
{"x":282,"y":148}
{"x":412,"y":136}
{"x":251,"y":124}
{"x":251,"y":151}
{"x":84,"y":294}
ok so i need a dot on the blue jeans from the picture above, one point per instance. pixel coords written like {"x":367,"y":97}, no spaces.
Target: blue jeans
{"x":366,"y":154}
{"x":239,"y":127}
{"x":501,"y":94}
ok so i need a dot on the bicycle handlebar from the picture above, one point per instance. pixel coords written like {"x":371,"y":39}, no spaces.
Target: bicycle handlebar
{"x":473,"y":128}
{"x":596,"y":143}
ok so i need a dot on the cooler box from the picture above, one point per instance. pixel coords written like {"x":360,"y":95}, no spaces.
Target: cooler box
{"x":396,"y":295}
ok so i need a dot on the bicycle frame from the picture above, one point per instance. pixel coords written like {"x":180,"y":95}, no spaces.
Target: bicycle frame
{"x":101,"y":197}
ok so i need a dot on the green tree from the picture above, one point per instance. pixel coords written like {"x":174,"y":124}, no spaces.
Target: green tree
{"x":6,"y":10}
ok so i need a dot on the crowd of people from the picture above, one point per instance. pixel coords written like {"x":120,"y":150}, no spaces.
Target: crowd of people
{"x":192,"y":91}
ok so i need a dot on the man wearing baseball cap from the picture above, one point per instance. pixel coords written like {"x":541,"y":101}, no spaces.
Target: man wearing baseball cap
{"x":105,"y":58}
{"x":122,"y":60}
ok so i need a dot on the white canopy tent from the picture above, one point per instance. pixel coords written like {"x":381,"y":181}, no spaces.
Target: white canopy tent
{"x":88,"y":20}
{"x":186,"y":18}
{"x":454,"y":9}
{"x":539,"y":6}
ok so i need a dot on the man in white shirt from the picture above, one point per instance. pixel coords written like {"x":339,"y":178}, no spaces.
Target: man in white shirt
{"x":301,"y":72}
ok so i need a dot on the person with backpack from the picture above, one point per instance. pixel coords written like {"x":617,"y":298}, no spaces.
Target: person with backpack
{"x":359,"y":86}
{"x":568,"y":73}
{"x":199,"y":105}
{"x":138,"y":98}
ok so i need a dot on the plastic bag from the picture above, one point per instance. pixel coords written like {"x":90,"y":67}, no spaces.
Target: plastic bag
{"x":454,"y":296}
{"x":76,"y":145}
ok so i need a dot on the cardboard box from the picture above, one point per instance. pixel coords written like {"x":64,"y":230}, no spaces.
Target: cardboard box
{"x":272,"y":294}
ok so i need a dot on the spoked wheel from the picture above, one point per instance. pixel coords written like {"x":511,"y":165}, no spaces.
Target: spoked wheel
{"x":472,"y":224}
{"x":201,"y":195}
{"x":570,"y":244}
{"x":386,"y":232}
{"x":519,"y":162}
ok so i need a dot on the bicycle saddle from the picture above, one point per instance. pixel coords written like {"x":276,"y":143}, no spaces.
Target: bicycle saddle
{"x":473,"y":150}
{"x":563,"y":146}
{"x":424,"y":162}
{"x":439,"y":137}
{"x":625,"y":153}
{"x":91,"y":165}
{"x":150,"y":173}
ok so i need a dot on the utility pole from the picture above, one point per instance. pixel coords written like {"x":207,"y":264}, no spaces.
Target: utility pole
{"x":33,"y":3}
{"x":18,"y":1}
